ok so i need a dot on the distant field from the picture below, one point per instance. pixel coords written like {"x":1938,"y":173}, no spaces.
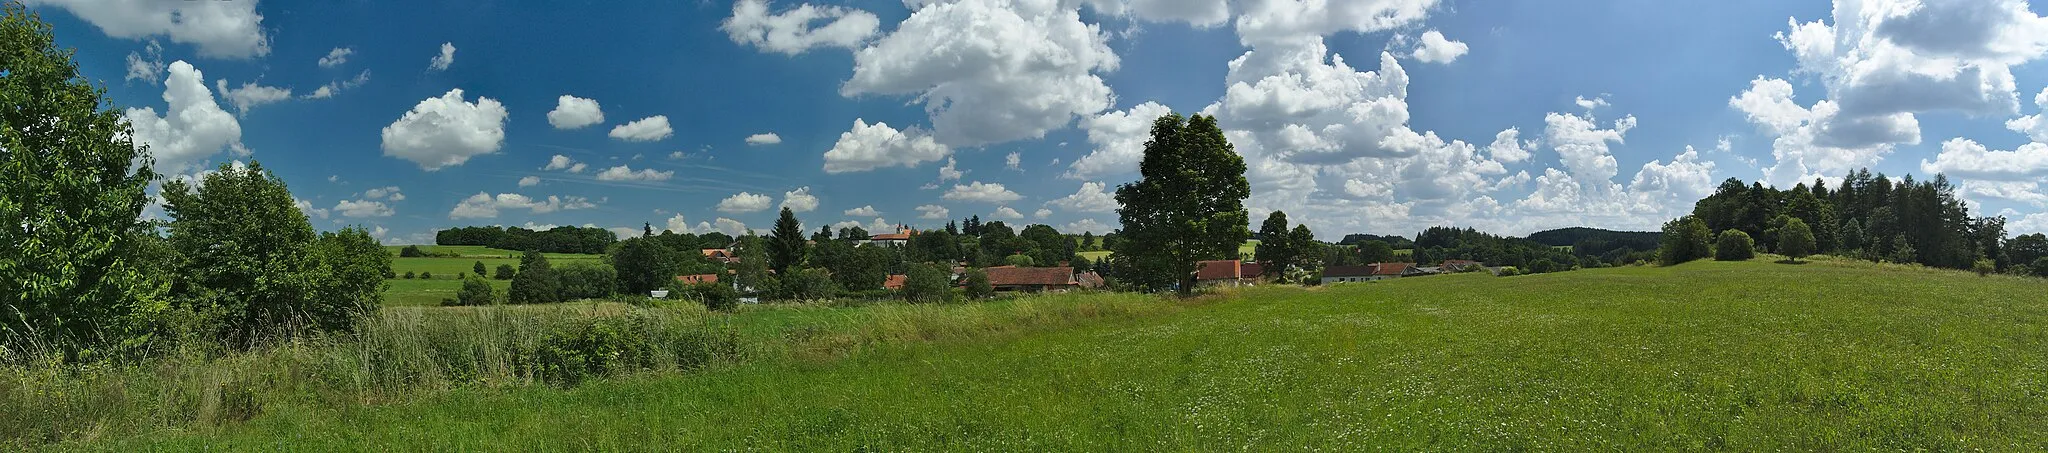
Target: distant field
{"x":416,"y":292}
{"x":1243,"y":250}
{"x":1744,"y":356}
{"x":405,"y":292}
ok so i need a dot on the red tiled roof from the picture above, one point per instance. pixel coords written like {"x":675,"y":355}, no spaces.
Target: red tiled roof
{"x":1035,"y":276}
{"x":1389,"y":268}
{"x":715,"y":253}
{"x":699,"y":278}
{"x":1251,"y":270}
{"x":895,"y":281}
{"x":1089,"y":279}
{"x":890,"y":237}
{"x":1217,"y":270}
{"x":1347,"y":271}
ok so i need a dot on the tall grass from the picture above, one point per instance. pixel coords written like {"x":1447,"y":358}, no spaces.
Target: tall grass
{"x":405,"y":353}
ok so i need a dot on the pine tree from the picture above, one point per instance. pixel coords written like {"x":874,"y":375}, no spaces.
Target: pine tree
{"x":786,"y":247}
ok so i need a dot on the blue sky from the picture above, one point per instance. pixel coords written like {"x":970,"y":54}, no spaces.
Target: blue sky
{"x":1621,"y":113}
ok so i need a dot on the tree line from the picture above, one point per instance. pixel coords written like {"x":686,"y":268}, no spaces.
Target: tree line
{"x":1866,"y":216}
{"x":561,"y":239}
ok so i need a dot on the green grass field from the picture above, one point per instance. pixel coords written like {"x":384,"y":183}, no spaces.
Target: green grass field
{"x":1706,"y":355}
{"x":417,"y":292}
{"x":1244,"y":250}
{"x":405,"y":292}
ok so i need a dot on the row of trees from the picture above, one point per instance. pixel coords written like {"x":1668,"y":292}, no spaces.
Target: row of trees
{"x":84,"y":274}
{"x":1867,"y":216}
{"x":561,"y":239}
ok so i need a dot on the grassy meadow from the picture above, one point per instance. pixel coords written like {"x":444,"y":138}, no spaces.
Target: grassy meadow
{"x":1701,"y":356}
{"x":1247,"y":249}
{"x":415,"y":292}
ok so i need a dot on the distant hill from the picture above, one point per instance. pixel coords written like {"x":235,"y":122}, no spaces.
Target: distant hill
{"x":1571,"y":236}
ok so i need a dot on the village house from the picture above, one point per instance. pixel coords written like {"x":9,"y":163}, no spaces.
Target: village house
{"x":1031,"y":279}
{"x":897,"y":239}
{"x":1251,"y":271}
{"x":720,"y":255}
{"x":1223,"y":273}
{"x":895,"y":281}
{"x":1461,"y":265}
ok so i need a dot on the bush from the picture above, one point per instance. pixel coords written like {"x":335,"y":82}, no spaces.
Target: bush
{"x":599,"y":347}
{"x":390,"y":274}
{"x":475,"y":291}
{"x":714,"y":296}
{"x":478,"y":269}
{"x":809,"y":284}
{"x":409,"y":275}
{"x":1542,"y":267}
{"x":978,"y":287}
{"x":2040,"y":267}
{"x":505,"y":272}
{"x":426,"y":275}
{"x":1508,"y":271}
{"x":1734,"y":245}
{"x":1984,"y":267}
{"x":925,"y":283}
{"x":411,"y":251}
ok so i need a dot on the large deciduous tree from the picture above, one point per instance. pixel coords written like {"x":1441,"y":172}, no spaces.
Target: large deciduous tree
{"x":1795,"y":239}
{"x":72,"y":187}
{"x":536,"y":282}
{"x":643,"y":264}
{"x":1685,"y":239}
{"x":1187,"y":206}
{"x":247,"y":262}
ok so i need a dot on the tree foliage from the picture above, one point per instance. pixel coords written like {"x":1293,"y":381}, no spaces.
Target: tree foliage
{"x":1274,"y":247}
{"x":1187,"y":206}
{"x":536,"y":282}
{"x":476,"y":291}
{"x":562,"y":239}
{"x":786,"y":243}
{"x":1795,"y":239}
{"x":644,"y":264}
{"x":928,"y":283}
{"x":72,"y":188}
{"x":978,"y":286}
{"x":1734,"y":245}
{"x":1685,"y":239}
{"x":582,"y":279}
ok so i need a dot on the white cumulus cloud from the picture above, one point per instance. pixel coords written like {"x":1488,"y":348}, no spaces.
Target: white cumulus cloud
{"x":336,"y":57}
{"x":1090,"y":198}
{"x":1434,"y":48}
{"x":744,"y":202}
{"x":932,"y":212}
{"x":362,"y":208}
{"x":193,"y":127}
{"x":446,"y":131}
{"x":764,"y":139}
{"x":644,"y":130}
{"x":446,"y":58}
{"x":484,"y":205}
{"x":981,"y":192}
{"x":868,"y":147}
{"x":231,"y":30}
{"x":575,"y":113}
{"x":791,"y":31}
{"x":800,"y":200}
{"x":626,"y":173}
{"x":864,"y":211}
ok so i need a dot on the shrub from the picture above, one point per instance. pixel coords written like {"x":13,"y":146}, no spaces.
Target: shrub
{"x":1795,"y":239}
{"x":409,"y":275}
{"x":809,"y":284}
{"x":1508,"y":271}
{"x":476,"y":291}
{"x":478,"y":269}
{"x":2040,"y":267}
{"x":424,"y":275}
{"x":598,"y":347}
{"x":978,"y":287}
{"x":1984,"y":267}
{"x":1542,"y":267}
{"x":714,"y":296}
{"x":927,"y":283}
{"x":411,"y":251}
{"x":505,"y":272}
{"x":1734,"y":245}
{"x":390,"y":274}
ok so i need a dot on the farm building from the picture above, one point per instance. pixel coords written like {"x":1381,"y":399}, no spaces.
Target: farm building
{"x":1224,"y":273}
{"x":1343,"y":274}
{"x":1031,"y":279}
